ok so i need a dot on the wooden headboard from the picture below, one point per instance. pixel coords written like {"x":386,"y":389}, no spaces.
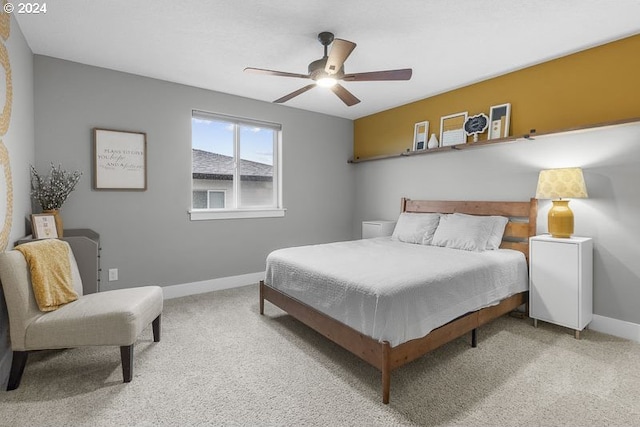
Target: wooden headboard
{"x":522,"y":216}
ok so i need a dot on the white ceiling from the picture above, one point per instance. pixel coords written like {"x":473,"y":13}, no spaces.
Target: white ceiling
{"x":208,"y":43}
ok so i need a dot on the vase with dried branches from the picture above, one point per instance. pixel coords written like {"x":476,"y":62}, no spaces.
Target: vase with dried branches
{"x":52,"y":190}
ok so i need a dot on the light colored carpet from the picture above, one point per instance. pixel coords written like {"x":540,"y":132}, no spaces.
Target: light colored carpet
{"x":221,"y":363}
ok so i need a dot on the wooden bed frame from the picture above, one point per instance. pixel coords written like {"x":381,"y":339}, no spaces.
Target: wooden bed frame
{"x":521,"y":226}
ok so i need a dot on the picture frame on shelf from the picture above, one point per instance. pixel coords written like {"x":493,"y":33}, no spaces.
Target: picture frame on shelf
{"x":499,"y":119}
{"x":452,"y":129}
{"x":44,"y":226}
{"x":119,"y":160}
{"x":420,"y":134}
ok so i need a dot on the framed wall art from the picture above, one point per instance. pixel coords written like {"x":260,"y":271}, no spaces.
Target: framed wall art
{"x":452,"y":129}
{"x":119,"y":160}
{"x":44,"y":226}
{"x":499,"y":117}
{"x":420,"y":132}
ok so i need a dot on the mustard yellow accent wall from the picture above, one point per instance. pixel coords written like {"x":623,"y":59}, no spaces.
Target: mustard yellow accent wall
{"x":592,"y":86}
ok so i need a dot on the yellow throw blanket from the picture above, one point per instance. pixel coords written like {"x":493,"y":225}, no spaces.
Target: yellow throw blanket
{"x":48,"y":262}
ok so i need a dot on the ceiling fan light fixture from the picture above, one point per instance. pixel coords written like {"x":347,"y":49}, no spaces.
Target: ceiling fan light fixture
{"x":329,"y":70}
{"x":326,"y":82}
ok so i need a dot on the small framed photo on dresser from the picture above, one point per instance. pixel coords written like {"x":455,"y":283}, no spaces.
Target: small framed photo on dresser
{"x":44,"y":226}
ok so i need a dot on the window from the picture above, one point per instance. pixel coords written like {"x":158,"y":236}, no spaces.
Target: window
{"x":235,"y":167}
{"x":209,"y":199}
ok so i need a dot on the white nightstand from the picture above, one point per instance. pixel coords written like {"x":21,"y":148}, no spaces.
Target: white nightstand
{"x":378,"y":228}
{"x":561,"y":281}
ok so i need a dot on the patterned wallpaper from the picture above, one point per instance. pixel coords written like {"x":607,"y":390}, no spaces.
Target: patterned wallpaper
{"x":5,"y":119}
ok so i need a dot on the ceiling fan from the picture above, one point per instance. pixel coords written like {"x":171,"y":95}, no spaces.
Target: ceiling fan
{"x":329,"y":69}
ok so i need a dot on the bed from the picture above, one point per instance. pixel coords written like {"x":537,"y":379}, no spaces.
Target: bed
{"x":377,"y":299}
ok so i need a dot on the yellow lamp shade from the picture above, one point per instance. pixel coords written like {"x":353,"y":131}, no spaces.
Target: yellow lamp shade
{"x":561,"y":183}
{"x":557,"y":184}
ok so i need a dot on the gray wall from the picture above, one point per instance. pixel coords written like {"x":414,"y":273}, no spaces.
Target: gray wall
{"x":148,"y":235}
{"x":19,"y":141}
{"x":610,"y":158}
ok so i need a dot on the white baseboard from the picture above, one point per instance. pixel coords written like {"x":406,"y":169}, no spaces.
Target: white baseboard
{"x":182,"y":290}
{"x":618,"y":328}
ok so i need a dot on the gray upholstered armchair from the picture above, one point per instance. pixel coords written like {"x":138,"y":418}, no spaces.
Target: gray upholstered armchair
{"x":112,"y":318}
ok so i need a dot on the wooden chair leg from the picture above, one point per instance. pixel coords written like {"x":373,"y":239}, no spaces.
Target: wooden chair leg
{"x":156,"y":328}
{"x":126,"y":354}
{"x":18,"y":363}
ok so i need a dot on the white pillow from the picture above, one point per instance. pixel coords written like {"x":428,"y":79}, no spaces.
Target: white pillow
{"x":495,"y":238}
{"x":416,"y":227}
{"x":467,"y":232}
{"x":498,"y":225}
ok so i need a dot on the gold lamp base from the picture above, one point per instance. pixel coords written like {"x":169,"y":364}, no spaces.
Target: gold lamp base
{"x":560,"y":219}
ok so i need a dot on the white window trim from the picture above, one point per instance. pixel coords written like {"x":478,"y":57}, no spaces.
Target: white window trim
{"x":203,"y":215}
{"x":239,"y":213}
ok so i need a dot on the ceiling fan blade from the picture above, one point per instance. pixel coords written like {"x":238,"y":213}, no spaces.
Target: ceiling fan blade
{"x":404,"y":74}
{"x":274,"y":73}
{"x":294,"y":94}
{"x":346,"y":96}
{"x":340,"y":51}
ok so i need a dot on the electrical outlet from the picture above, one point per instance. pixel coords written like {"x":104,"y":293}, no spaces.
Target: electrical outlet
{"x":113,"y":274}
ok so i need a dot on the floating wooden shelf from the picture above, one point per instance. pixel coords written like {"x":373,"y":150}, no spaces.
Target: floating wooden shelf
{"x":485,"y":143}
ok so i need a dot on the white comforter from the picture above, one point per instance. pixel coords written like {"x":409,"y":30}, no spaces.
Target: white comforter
{"x":394,"y":291}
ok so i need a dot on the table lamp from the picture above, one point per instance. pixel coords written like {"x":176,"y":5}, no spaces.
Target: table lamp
{"x":557,"y":184}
